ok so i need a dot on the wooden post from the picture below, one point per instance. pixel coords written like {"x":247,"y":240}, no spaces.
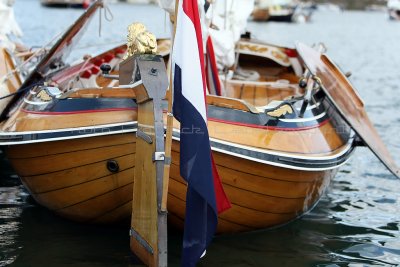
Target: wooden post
{"x":149,"y":221}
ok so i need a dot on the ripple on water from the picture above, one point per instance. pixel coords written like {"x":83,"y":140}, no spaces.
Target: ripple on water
{"x":10,"y":212}
{"x":377,"y":252}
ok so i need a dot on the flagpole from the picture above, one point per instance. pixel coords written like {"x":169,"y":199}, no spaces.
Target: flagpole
{"x":170,"y":121}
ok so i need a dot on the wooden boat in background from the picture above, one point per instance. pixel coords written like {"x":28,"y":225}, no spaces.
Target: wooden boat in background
{"x":74,"y":149}
{"x":141,"y":1}
{"x":282,"y":11}
{"x":66,"y":3}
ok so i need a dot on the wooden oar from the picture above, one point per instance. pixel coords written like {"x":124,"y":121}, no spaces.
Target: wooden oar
{"x":346,"y":101}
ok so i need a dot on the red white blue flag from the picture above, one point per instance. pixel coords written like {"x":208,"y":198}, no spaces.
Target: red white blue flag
{"x":205,"y":197}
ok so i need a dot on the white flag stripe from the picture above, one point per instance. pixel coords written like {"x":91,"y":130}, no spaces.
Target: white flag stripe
{"x":190,"y":66}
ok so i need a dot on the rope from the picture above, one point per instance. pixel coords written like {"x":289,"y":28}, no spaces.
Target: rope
{"x":107,"y":10}
{"x":34,"y":55}
{"x":22,"y":90}
{"x":108,"y":16}
{"x":100,"y":22}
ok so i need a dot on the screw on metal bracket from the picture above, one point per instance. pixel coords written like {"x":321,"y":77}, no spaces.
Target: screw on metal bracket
{"x":158,"y":156}
{"x":153,"y":72}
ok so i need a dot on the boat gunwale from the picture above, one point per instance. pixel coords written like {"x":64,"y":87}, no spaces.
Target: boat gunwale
{"x":282,"y":159}
{"x":332,"y":162}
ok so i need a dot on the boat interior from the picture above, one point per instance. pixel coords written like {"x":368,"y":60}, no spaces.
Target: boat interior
{"x":262,"y":78}
{"x":273,"y":84}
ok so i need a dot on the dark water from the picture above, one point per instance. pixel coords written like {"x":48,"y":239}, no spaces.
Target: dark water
{"x":356,"y":222}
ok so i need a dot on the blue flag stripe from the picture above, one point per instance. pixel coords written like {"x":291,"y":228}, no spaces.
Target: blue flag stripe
{"x":196,"y":168}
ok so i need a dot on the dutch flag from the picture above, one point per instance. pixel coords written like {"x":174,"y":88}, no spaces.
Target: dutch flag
{"x":205,"y":197}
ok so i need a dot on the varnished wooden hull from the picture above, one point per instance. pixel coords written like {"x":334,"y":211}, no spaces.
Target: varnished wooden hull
{"x":261,"y":195}
{"x":274,"y":164}
{"x":71,"y":178}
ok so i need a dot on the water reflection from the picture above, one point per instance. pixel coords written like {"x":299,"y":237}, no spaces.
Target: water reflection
{"x":10,"y":212}
{"x":48,"y":240}
{"x":353,"y":225}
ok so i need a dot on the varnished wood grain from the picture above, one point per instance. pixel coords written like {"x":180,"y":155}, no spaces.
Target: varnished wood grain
{"x":117,"y":214}
{"x":66,"y":146}
{"x":279,"y":185}
{"x":76,"y":176}
{"x":144,"y":207}
{"x":23,"y":121}
{"x":101,"y":93}
{"x":69,"y":160}
{"x":79,"y":193}
{"x":257,"y":94}
{"x":71,"y":178}
{"x":323,"y":139}
{"x":258,"y":201}
{"x":98,"y":206}
{"x":263,"y":194}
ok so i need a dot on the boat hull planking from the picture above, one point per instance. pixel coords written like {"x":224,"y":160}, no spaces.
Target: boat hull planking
{"x":71,"y":178}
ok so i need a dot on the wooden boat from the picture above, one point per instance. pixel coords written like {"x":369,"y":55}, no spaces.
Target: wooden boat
{"x":282,"y":11}
{"x":376,"y":8}
{"x":66,"y":3}
{"x":275,"y":155}
{"x":141,"y":1}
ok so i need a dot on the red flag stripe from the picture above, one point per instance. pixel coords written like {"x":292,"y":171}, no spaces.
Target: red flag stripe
{"x":190,"y":8}
{"x":222,"y":200}
{"x":213,"y":63}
